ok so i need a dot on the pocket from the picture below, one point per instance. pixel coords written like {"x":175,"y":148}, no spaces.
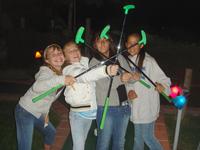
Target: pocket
{"x":19,"y":109}
{"x":21,"y":112}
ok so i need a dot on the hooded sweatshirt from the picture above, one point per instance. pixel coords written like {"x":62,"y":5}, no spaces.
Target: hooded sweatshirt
{"x":118,"y":90}
{"x":45,"y":79}
{"x":146,"y":107}
{"x":82,"y":93}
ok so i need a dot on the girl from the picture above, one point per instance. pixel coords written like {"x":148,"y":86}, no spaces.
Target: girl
{"x":119,"y":110}
{"x":82,"y":96}
{"x":31,"y":115}
{"x":145,"y":108}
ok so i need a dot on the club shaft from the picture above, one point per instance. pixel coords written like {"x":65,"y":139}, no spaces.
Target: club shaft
{"x":122,"y":32}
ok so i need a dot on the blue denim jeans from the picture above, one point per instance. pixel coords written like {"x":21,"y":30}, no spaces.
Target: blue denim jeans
{"x":144,"y":133}
{"x":79,"y":130}
{"x":25,"y":124}
{"x":115,"y":126}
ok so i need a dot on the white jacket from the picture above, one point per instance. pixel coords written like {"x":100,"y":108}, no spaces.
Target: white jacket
{"x":146,"y":107}
{"x":45,"y":80}
{"x":82,"y":93}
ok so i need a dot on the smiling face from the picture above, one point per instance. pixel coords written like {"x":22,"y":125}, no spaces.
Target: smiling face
{"x":133,"y":39}
{"x":53,"y":55}
{"x":72,"y":53}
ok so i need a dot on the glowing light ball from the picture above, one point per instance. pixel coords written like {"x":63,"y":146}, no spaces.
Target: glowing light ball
{"x":175,"y":91}
{"x":179,"y":101}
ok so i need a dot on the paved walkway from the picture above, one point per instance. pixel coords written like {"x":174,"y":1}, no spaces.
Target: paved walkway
{"x":63,"y":128}
{"x":161,"y":132}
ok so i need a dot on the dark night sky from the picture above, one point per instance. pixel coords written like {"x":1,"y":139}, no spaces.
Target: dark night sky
{"x":171,"y":12}
{"x":156,"y":15}
{"x":175,"y":19}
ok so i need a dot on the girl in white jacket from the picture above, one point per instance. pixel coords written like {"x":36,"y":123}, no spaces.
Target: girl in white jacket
{"x":146,"y":106}
{"x":30,"y":115}
{"x":81,"y":96}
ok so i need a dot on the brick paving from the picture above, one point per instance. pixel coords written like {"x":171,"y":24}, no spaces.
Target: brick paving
{"x":161,"y":132}
{"x":63,"y":128}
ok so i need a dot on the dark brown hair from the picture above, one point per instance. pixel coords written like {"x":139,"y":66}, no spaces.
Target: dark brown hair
{"x":112,"y":47}
{"x":141,"y":55}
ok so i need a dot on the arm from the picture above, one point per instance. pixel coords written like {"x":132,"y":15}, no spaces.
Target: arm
{"x":93,"y":74}
{"x":99,"y":73}
{"x":46,"y":80}
{"x":158,"y":76}
{"x":127,"y":76}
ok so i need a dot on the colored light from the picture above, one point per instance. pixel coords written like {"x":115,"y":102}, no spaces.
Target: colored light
{"x":179,"y":101}
{"x":38,"y":55}
{"x":175,"y":91}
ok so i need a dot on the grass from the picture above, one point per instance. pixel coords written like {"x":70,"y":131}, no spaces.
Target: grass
{"x":8,"y":129}
{"x":189,"y":136}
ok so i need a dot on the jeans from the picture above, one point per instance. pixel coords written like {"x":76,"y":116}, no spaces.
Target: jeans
{"x":115,"y":126}
{"x":79,"y":130}
{"x":144,"y":133}
{"x":25,"y":124}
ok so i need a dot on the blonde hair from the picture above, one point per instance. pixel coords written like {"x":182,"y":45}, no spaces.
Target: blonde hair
{"x":53,"y":46}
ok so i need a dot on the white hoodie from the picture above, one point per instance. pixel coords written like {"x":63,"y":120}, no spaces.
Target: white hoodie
{"x":146,"y":107}
{"x":45,"y":80}
{"x":82,"y":93}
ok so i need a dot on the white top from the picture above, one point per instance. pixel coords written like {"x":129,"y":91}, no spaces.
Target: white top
{"x":146,"y":107}
{"x":82,"y":93}
{"x":45,"y":80}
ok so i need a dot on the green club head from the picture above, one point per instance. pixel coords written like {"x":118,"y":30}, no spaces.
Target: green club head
{"x":104,"y":32}
{"x":79,"y":34}
{"x":127,"y":8}
{"x":144,"y":38}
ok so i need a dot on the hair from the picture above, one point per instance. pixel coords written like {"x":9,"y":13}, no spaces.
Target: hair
{"x":53,"y":46}
{"x":141,"y":55}
{"x":112,"y":47}
{"x":66,"y":63}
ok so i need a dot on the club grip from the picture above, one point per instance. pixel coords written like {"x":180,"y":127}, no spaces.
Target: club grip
{"x":104,"y":113}
{"x":47,"y":93}
{"x":145,"y":84}
{"x":166,"y":97}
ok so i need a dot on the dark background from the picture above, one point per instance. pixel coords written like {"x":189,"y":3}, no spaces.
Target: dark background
{"x":155,"y":15}
{"x":172,"y":28}
{"x":173,"y":20}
